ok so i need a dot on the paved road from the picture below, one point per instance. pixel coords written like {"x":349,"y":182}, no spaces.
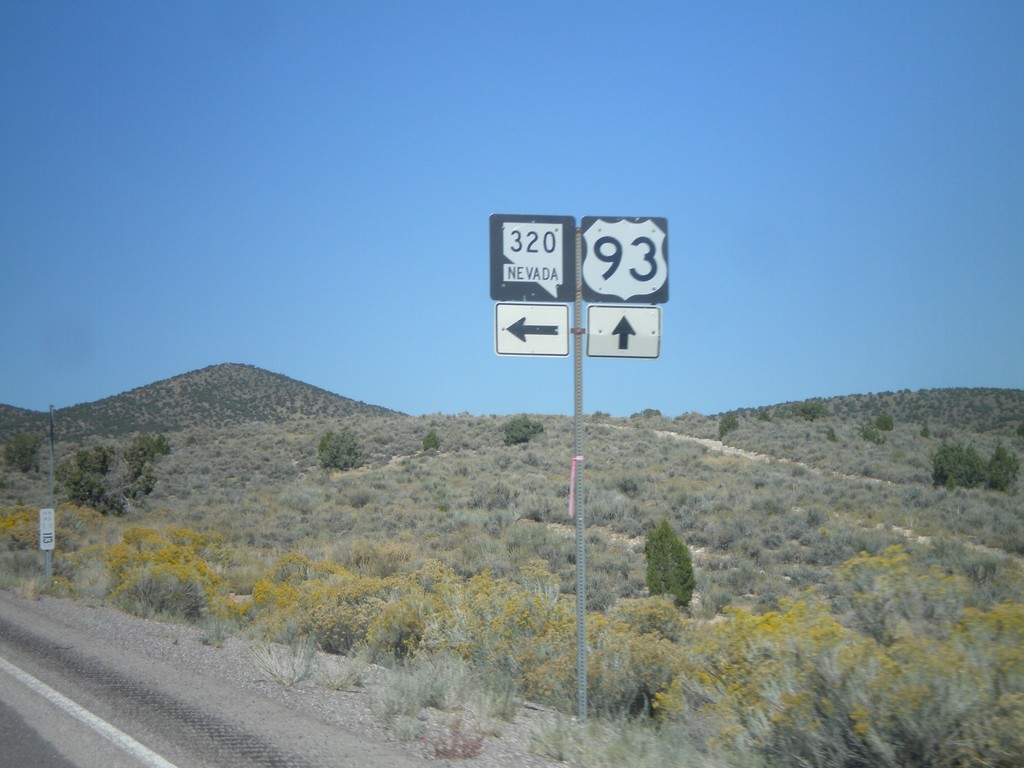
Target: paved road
{"x":140,"y":711}
{"x":24,"y":745}
{"x":35,"y":731}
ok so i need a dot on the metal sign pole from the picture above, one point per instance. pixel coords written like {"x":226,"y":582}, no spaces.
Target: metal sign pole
{"x":49,"y":552}
{"x":581,"y":560}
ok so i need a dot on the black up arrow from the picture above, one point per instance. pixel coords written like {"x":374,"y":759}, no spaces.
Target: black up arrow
{"x":623,"y":330}
{"x":521,"y":330}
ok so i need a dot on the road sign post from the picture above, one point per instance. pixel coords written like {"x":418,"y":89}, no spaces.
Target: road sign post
{"x":47,"y":521}
{"x":581,"y":530}
{"x":614,"y":260}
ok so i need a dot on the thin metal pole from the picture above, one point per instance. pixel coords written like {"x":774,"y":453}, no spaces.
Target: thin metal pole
{"x":49,"y":553}
{"x":581,"y":559}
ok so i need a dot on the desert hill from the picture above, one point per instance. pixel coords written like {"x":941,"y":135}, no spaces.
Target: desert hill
{"x":218,"y":396}
{"x":975,"y":409}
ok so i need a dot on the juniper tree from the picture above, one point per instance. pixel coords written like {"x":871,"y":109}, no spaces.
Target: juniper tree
{"x":22,"y":452}
{"x":521,"y":429}
{"x":669,"y":567}
{"x":1002,"y":469}
{"x":340,"y":450}
{"x":431,"y":442}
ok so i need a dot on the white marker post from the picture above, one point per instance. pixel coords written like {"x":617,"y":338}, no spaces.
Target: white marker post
{"x":48,"y":516}
{"x":47,"y":531}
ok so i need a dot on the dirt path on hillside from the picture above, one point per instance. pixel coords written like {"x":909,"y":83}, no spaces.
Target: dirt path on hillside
{"x":719,"y":447}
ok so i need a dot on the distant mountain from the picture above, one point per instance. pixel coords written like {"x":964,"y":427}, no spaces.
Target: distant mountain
{"x":10,"y":413}
{"x":220,"y":395}
{"x":974,"y":409}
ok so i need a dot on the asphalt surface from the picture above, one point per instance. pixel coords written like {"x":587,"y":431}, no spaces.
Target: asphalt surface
{"x":186,"y":719}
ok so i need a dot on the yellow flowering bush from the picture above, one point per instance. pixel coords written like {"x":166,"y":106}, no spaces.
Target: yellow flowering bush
{"x":166,"y":573}
{"x":890,"y":596}
{"x":490,"y":621}
{"x":340,"y":609}
{"x":19,"y":527}
{"x":797,"y":687}
{"x":337,"y":611}
{"x":398,"y":627}
{"x":318,"y":599}
{"x":658,"y":615}
{"x":904,"y":673}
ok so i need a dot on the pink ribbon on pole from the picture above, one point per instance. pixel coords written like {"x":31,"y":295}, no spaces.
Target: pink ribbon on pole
{"x":572,"y":486}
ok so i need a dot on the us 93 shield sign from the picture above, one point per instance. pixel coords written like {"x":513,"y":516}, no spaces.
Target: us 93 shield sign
{"x":625,"y":259}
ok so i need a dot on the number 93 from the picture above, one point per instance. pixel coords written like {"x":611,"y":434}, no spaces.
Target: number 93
{"x":609,"y":250}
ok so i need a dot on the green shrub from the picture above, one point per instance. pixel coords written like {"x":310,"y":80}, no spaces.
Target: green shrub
{"x":884,"y":422}
{"x":955,"y":465}
{"x":871,"y":433}
{"x":146,"y":447}
{"x":340,"y":450}
{"x":669,"y":567}
{"x":629,"y":485}
{"x":1002,"y":469}
{"x":521,"y":429}
{"x":431,"y":442}
{"x":22,"y":452}
{"x":81,"y":477}
{"x":109,"y":480}
{"x":727,"y":423}
{"x":809,"y":410}
{"x":646,"y":413}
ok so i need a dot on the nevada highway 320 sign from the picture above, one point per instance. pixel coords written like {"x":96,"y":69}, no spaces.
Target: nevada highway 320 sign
{"x":533,"y":258}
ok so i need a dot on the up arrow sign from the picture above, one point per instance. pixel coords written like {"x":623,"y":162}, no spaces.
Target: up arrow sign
{"x":614,"y":330}
{"x":624,"y":330}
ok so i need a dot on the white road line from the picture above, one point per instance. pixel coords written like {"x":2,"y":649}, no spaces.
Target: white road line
{"x":102,"y":727}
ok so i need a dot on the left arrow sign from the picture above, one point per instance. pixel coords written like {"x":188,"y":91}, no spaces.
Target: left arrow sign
{"x":531,"y":330}
{"x":521,"y":330}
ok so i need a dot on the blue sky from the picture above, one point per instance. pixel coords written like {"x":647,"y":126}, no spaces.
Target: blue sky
{"x":306,"y":187}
